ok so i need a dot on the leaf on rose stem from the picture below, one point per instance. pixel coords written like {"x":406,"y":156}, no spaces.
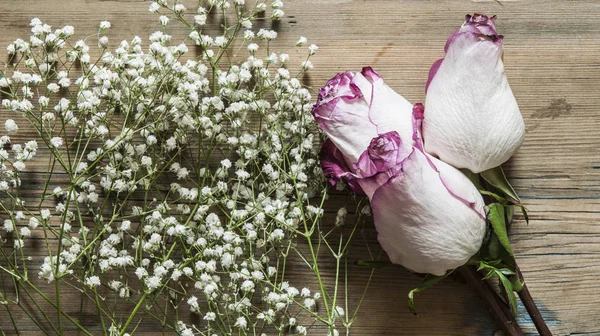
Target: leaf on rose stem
{"x":429,"y":281}
{"x":473,"y":177}
{"x":510,"y":293}
{"x":497,"y":179}
{"x":509,"y":212}
{"x":524,"y":212}
{"x":517,"y":284}
{"x":491,"y":269}
{"x":371,"y":263}
{"x":498,"y":221}
{"x":494,"y":247}
{"x":497,"y":197}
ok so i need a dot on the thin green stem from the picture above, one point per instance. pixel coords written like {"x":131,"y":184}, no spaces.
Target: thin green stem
{"x":133,"y":313}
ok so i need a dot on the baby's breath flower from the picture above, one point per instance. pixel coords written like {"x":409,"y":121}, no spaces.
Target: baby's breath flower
{"x":163,"y":20}
{"x":277,"y":14}
{"x":11,"y":126}
{"x":301,"y":41}
{"x":179,"y":184}
{"x":93,"y":281}
{"x":104,"y":25}
{"x":103,"y":42}
{"x":179,"y":8}
{"x":252,"y":48}
{"x":154,"y":7}
{"x":307,"y":65}
{"x":56,"y":142}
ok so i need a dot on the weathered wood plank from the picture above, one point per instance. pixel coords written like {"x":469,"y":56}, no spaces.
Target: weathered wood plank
{"x":551,"y":57}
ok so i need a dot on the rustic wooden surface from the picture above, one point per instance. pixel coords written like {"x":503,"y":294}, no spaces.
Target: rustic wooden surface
{"x":552,"y":57}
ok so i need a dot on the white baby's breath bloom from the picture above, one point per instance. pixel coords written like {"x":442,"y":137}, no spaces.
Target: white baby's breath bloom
{"x":53,"y":87}
{"x":247,"y":24}
{"x":307,"y":65}
{"x":179,"y":8}
{"x":25,"y":232}
{"x":340,"y":218}
{"x":5,"y":82}
{"x":56,"y":142}
{"x":252,"y":48}
{"x":45,"y":214}
{"x":163,"y":20}
{"x":261,"y":7}
{"x":33,"y":222}
{"x":277,"y":14}
{"x":220,"y":41}
{"x":200,"y":20}
{"x":210,"y":316}
{"x":18,"y":243}
{"x":68,"y":31}
{"x":93,"y":281}
{"x":154,"y":7}
{"x":241,"y":322}
{"x":103,"y":42}
{"x":19,"y":165}
{"x":11,"y":126}
{"x":301,"y":41}
{"x":8,"y":225}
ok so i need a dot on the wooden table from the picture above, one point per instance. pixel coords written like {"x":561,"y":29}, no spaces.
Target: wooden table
{"x":552,"y":58}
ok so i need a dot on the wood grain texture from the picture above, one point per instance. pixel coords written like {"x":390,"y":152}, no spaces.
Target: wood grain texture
{"x":552,"y":58}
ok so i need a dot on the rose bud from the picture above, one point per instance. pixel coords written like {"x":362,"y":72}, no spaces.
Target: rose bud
{"x":429,"y":216}
{"x":472,"y":119}
{"x":354,"y":108}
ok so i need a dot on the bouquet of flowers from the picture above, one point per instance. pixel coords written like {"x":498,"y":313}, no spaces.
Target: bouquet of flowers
{"x":431,"y":217}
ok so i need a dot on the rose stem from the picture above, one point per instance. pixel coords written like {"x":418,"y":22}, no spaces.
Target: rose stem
{"x":532,"y":309}
{"x":492,"y":301}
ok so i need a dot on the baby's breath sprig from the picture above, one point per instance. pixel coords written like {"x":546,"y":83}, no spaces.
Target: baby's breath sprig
{"x":171,"y":185}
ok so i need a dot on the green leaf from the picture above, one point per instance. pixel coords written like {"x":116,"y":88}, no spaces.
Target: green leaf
{"x":498,"y":221}
{"x":517,"y":284}
{"x":429,"y":281}
{"x":524,"y":212}
{"x":497,"y":179}
{"x":473,"y":177}
{"x":489,"y":275}
{"x":510,"y":293}
{"x":371,"y":263}
{"x":494,"y":247}
{"x":509,"y":211}
{"x":497,"y":197}
{"x":506,"y":271}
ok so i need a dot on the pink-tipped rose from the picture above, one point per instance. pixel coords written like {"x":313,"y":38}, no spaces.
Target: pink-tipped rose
{"x":429,"y":216}
{"x":353,"y":108}
{"x":472,"y":119}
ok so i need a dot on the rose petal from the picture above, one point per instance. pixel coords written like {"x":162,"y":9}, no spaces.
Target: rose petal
{"x":423,"y":227}
{"x":335,"y":168}
{"x":384,"y":153}
{"x":472,"y":119}
{"x":352,"y":109}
